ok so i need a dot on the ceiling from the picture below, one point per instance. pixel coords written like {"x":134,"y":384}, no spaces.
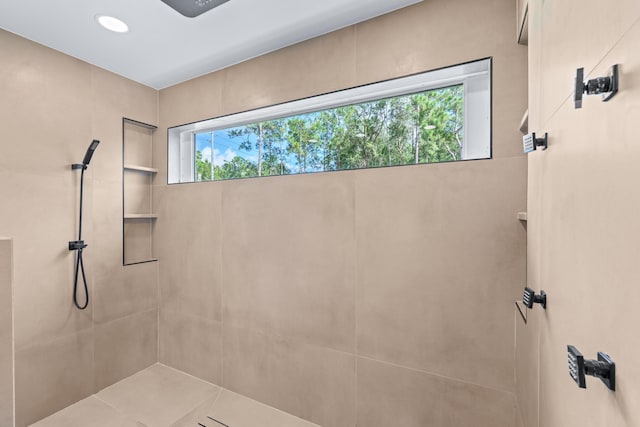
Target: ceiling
{"x":163,"y":48}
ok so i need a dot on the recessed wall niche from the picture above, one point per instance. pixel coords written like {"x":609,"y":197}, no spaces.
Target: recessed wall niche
{"x":137,"y":179}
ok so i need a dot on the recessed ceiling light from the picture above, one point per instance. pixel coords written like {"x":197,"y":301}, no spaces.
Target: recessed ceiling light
{"x":112,"y":24}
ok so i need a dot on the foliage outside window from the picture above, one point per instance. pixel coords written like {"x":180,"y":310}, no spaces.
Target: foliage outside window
{"x":438,"y":116}
{"x":421,"y":128}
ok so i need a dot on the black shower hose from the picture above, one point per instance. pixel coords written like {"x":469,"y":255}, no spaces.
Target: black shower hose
{"x":79,"y":262}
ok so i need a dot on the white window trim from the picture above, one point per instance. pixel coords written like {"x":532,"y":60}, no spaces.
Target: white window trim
{"x":474,"y":76}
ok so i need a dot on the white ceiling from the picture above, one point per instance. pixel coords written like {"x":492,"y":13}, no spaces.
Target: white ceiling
{"x":163,"y":48}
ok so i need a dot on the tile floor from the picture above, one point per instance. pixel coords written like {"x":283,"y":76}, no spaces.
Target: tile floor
{"x":160,"y":396}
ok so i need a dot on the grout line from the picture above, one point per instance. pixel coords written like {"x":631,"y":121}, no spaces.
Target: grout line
{"x":297,"y":340}
{"x":355,"y":52}
{"x":519,"y":415}
{"x":332,"y":350}
{"x":222,"y":389}
{"x":188,"y":374}
{"x":538,"y":337}
{"x":41,"y":342}
{"x":126,"y":316}
{"x":201,"y":402}
{"x":456,"y":380}
{"x":116,"y":409}
{"x":13,"y":333}
{"x":356,"y":290}
{"x":93,"y":289}
{"x":218,"y":396}
{"x":158,"y":307}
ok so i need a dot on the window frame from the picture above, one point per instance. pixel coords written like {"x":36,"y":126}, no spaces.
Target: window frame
{"x":181,"y":138}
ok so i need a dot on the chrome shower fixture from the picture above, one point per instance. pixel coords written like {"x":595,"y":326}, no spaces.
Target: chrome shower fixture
{"x":193,"y":8}
{"x":603,"y":368}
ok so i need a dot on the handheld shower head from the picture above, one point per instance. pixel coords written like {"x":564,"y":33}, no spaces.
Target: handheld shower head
{"x":87,"y":156}
{"x":89,"y":153}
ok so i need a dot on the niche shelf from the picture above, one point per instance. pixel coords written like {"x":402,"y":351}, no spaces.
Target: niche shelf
{"x":522,"y":33}
{"x":140,"y":168}
{"x":524,"y":123}
{"x":138,"y":218}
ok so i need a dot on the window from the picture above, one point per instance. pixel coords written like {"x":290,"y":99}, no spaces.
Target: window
{"x":437,"y":116}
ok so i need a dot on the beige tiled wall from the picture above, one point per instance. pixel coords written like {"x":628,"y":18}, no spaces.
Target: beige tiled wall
{"x":582,"y":204}
{"x":6,"y":333}
{"x":350,"y":297}
{"x":52,"y":107}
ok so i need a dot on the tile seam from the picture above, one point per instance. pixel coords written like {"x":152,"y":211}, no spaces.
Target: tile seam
{"x":444,"y":377}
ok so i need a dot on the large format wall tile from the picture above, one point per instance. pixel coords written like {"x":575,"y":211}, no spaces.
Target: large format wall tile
{"x":390,"y":395}
{"x":192,"y":344}
{"x":410,"y":41}
{"x":129,"y":290}
{"x":106,"y":218}
{"x":289,"y":257}
{"x":52,"y":375}
{"x":527,"y":364}
{"x":509,"y":102}
{"x":118,"y":98}
{"x":439,"y":266}
{"x":188,"y":244}
{"x":43,"y":264}
{"x":413,"y":47}
{"x":6,"y":334}
{"x":572,"y":36}
{"x":313,"y":383}
{"x":320,"y":65}
{"x":125,"y":346}
{"x":588,"y":249}
{"x":187,"y":102}
{"x":584,"y":195}
{"x":46,"y":114}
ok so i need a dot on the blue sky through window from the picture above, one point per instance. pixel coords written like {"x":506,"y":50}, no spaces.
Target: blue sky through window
{"x":223,"y":148}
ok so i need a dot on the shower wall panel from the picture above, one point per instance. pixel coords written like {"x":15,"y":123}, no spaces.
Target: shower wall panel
{"x":52,"y":107}
{"x":583,"y":201}
{"x":6,"y":334}
{"x":348,"y":297}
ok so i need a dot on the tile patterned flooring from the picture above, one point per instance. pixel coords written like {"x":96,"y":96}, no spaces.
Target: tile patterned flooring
{"x":160,"y":396}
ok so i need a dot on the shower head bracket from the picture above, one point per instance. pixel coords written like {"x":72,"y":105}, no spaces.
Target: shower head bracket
{"x":78,"y":166}
{"x":77,"y":245}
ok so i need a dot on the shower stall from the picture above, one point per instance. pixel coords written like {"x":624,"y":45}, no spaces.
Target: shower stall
{"x":341,"y":298}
